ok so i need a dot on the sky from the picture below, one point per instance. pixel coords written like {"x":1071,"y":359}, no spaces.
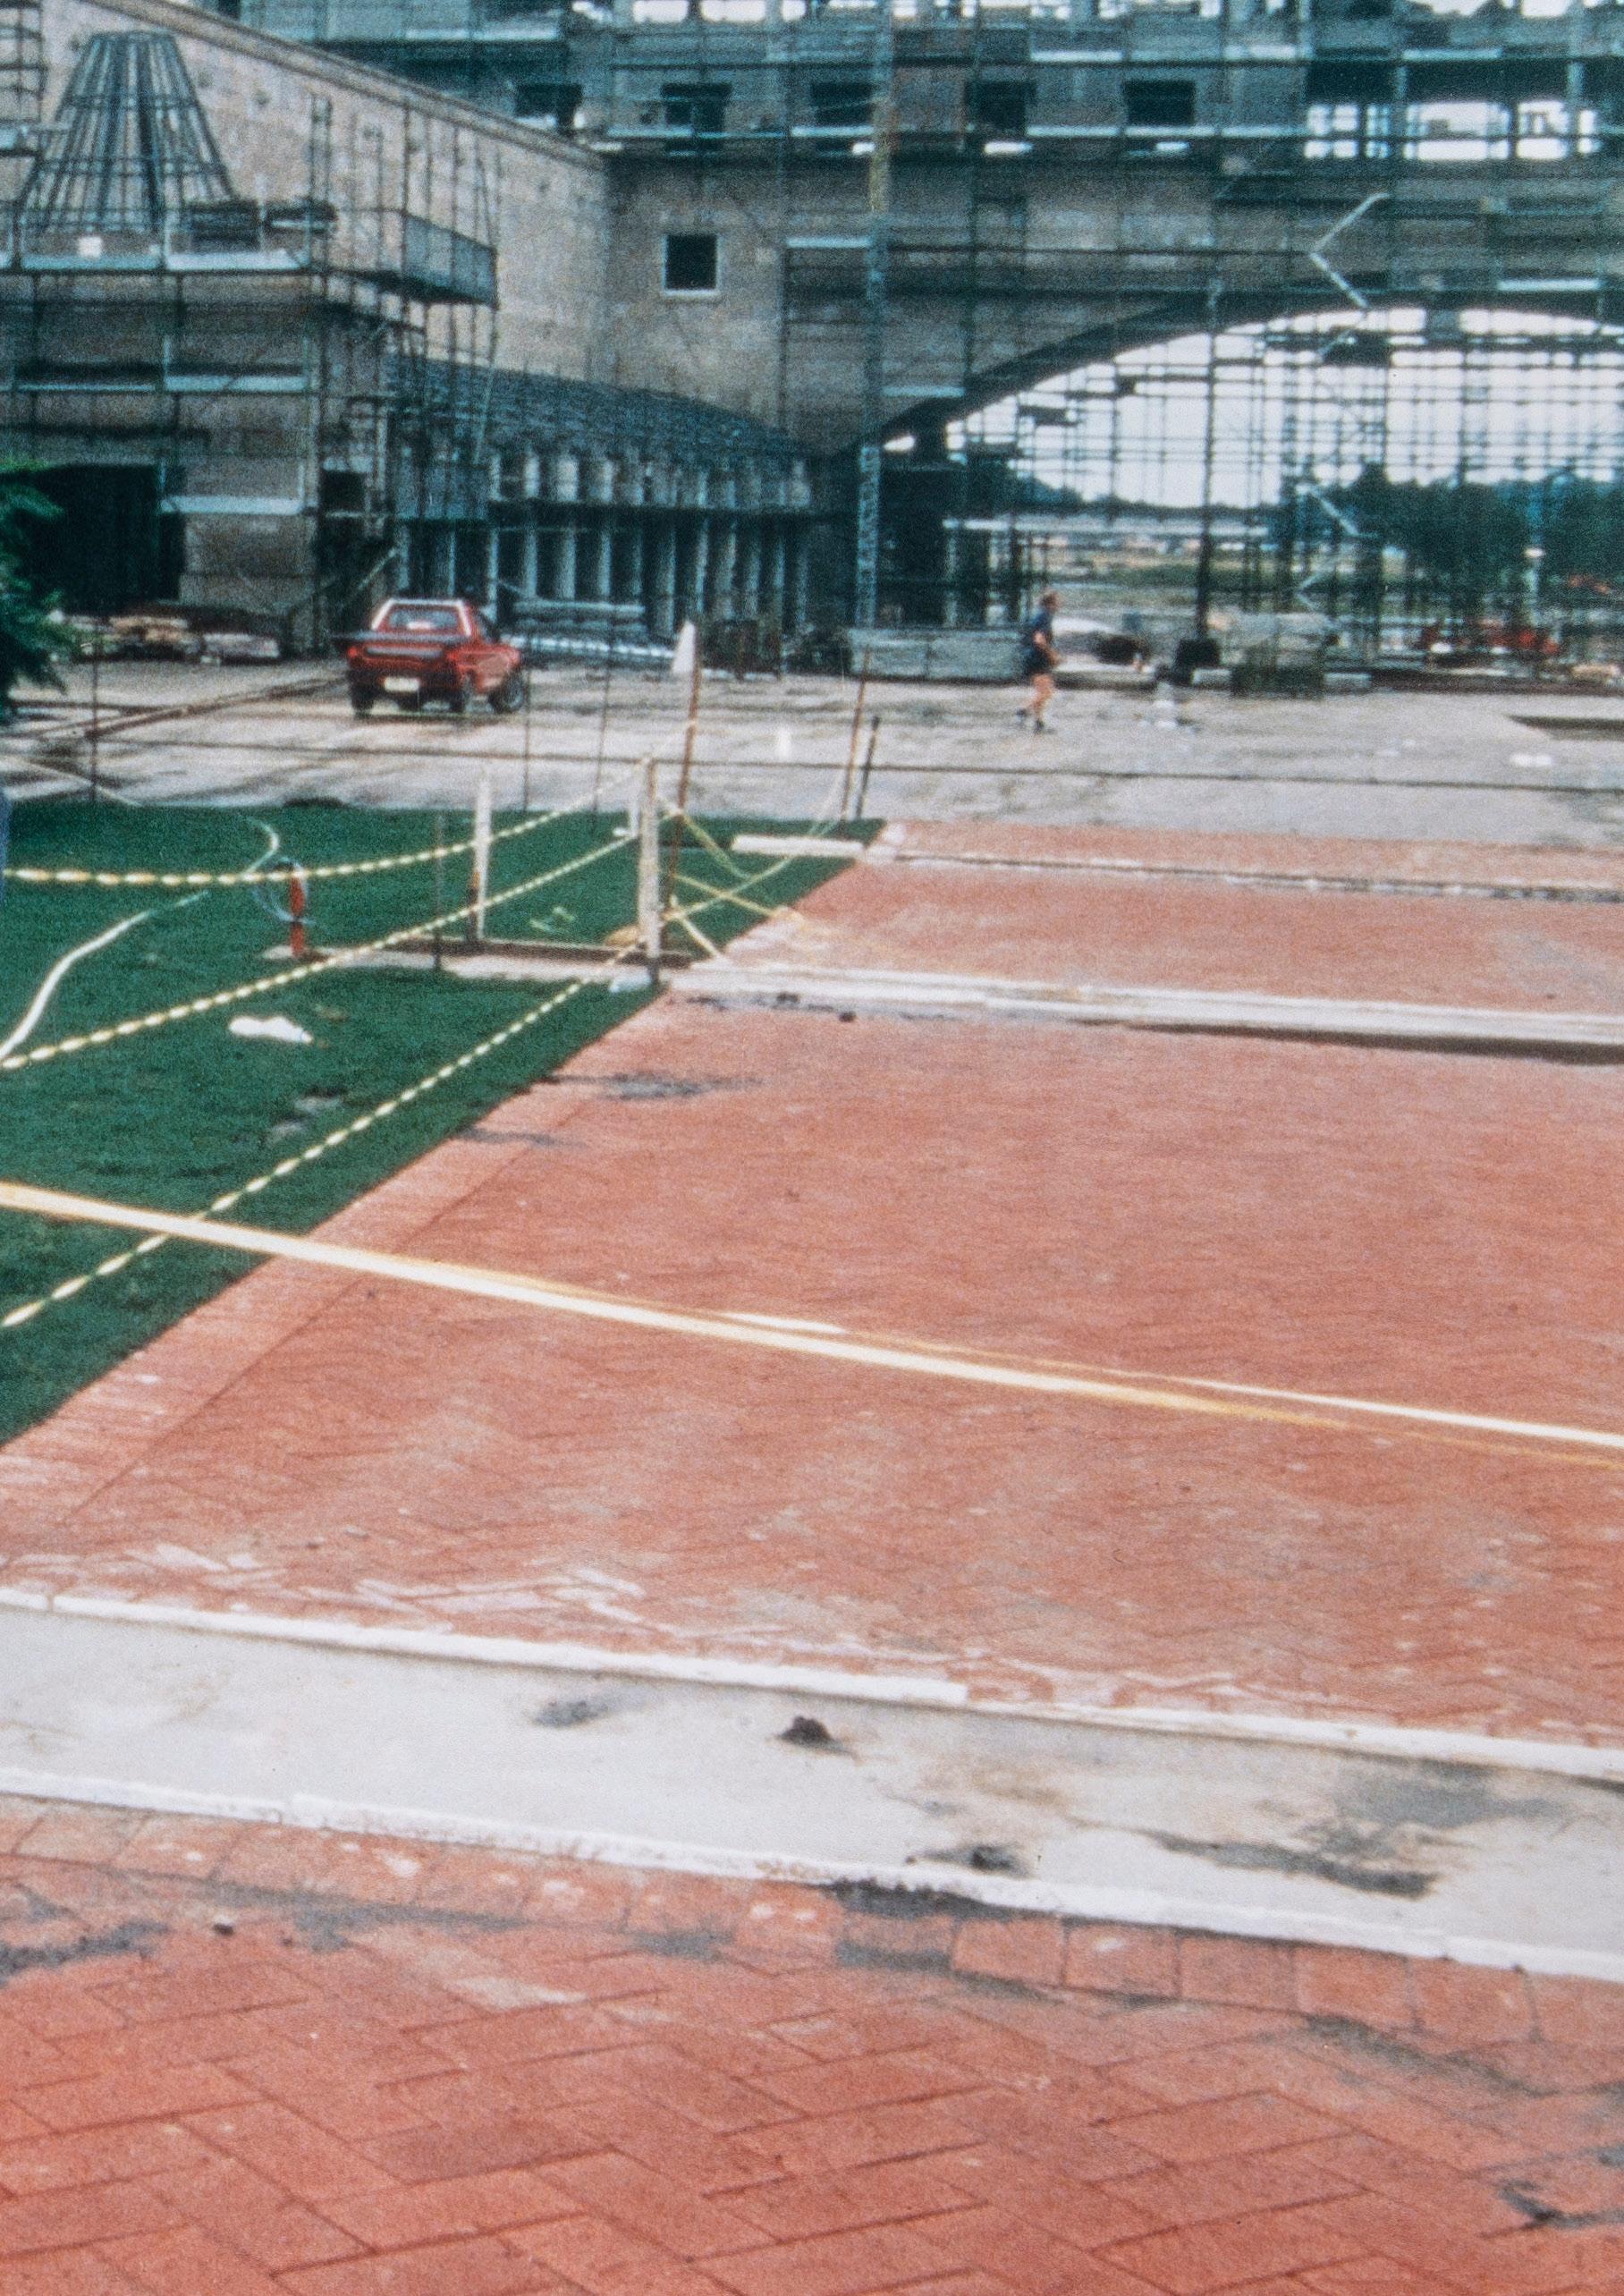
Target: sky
{"x":1492,"y":395}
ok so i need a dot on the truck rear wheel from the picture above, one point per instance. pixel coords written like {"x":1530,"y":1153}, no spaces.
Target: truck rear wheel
{"x":509,"y":695}
{"x":362,"y":703}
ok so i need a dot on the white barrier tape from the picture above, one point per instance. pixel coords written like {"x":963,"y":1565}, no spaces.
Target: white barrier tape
{"x":68,"y":1289}
{"x":318,"y":872}
{"x":192,"y":1007}
{"x":929,"y":1359}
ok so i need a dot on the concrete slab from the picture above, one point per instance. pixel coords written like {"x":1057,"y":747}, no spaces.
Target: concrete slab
{"x":1320,"y":1020}
{"x":1379,"y":765}
{"x":455,"y":1741}
{"x":1455,"y":860}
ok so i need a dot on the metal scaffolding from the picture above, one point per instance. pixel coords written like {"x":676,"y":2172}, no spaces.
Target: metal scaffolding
{"x":225,"y":393}
{"x":1345,"y":156}
{"x":1430,"y":482}
{"x":129,"y":148}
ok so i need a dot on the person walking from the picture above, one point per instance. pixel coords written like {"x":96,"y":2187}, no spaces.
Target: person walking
{"x":1038,"y":659}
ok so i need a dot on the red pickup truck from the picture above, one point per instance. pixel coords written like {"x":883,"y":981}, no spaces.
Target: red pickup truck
{"x":432,"y":650}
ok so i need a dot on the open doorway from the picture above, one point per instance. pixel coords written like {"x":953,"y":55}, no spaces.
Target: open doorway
{"x":111,"y":546}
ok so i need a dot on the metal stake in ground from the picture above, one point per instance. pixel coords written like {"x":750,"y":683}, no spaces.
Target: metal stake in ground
{"x":691,"y":734}
{"x":479,"y":861}
{"x":862,"y":787}
{"x":297,"y":902}
{"x":439,"y":886}
{"x":857,"y":734}
{"x":94,"y":716}
{"x":650,"y":905}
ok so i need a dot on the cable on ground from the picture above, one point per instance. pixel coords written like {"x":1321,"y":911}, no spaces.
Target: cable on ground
{"x":190,"y":1007}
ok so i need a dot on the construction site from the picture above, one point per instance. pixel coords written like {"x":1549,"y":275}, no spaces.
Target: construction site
{"x":825,"y":321}
{"x":797,"y":1497}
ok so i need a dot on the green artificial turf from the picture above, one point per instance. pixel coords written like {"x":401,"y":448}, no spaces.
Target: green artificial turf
{"x":177,"y":1115}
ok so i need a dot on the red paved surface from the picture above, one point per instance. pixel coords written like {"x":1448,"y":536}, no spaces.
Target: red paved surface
{"x":1063,"y":926}
{"x":237,"y":2060}
{"x":1404,"y":1225}
{"x":1367,"y":857}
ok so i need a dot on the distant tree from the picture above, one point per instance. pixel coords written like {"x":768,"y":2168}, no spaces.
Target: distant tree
{"x":1581,"y":524}
{"x":1466,"y":540}
{"x":33,"y":637}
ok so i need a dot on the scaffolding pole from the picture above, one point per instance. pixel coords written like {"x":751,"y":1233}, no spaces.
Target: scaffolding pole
{"x":876,"y":289}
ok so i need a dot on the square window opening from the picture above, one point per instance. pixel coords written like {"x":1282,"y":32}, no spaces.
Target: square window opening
{"x":1160,"y":103}
{"x":691,"y":265}
{"x":551,"y":103}
{"x":842,"y":104}
{"x":999,"y":107}
{"x":695,"y":107}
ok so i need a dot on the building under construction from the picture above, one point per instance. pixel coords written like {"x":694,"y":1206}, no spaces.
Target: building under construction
{"x":264,"y":346}
{"x":1284,"y":249}
{"x":756,"y":308}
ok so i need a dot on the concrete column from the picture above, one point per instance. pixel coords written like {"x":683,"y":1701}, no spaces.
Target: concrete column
{"x":492,"y":567}
{"x":566,"y":479}
{"x":727,"y":564}
{"x":700,"y":579}
{"x":749,"y":584}
{"x":775,"y":573}
{"x":799,"y":600}
{"x":664,"y":601}
{"x":532,"y":477}
{"x":603,"y":560}
{"x":636,"y":564}
{"x":564,"y":576}
{"x":531,"y":577}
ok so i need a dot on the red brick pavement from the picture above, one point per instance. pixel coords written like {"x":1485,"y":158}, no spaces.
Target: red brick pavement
{"x":1063,"y":926}
{"x":1431,"y":859}
{"x":236,"y":2060}
{"x":1401,"y":1225}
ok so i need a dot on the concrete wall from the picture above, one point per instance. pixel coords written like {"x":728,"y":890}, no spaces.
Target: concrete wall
{"x":1005,"y":272}
{"x":725,"y":347}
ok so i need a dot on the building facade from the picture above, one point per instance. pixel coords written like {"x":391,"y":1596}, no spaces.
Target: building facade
{"x":281,"y":334}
